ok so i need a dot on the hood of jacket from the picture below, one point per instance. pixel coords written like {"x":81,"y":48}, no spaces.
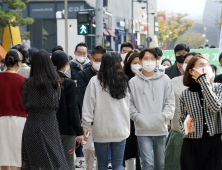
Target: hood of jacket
{"x":158,"y":74}
{"x":80,"y":65}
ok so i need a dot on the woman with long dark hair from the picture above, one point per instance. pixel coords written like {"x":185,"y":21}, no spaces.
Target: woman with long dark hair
{"x":202,"y":101}
{"x":131,"y":155}
{"x":41,"y":141}
{"x":12,"y":112}
{"x":106,"y":111}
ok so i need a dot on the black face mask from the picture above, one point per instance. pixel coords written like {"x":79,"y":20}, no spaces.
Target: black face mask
{"x":180,"y":59}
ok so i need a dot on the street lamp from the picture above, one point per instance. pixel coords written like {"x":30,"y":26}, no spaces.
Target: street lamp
{"x":153,"y":13}
{"x":132,"y":37}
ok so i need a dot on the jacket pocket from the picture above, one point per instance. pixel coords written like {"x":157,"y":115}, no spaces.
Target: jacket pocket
{"x":151,"y":122}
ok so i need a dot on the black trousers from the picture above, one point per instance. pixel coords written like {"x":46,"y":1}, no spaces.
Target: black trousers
{"x":201,"y":154}
{"x":69,"y":143}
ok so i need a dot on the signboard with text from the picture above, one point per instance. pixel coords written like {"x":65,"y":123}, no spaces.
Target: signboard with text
{"x":212,"y":54}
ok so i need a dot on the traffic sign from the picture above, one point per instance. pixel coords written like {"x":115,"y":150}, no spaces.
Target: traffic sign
{"x":83,"y":29}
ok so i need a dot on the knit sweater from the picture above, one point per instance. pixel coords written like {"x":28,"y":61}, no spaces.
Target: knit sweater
{"x":11,"y":92}
{"x":178,"y":87}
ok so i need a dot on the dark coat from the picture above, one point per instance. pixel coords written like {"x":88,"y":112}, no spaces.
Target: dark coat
{"x":83,"y":78}
{"x":172,"y":71}
{"x":218,"y":79}
{"x":75,"y":68}
{"x":68,"y":113}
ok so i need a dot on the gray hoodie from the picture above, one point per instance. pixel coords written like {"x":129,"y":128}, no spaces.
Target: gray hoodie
{"x":152,"y":103}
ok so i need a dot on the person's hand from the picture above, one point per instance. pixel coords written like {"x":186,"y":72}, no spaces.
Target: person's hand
{"x":196,"y":73}
{"x":191,"y":129}
{"x":79,"y":139}
{"x":85,"y":130}
{"x":168,"y":127}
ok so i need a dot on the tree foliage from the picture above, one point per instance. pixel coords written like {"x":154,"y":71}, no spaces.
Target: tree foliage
{"x":175,"y":27}
{"x":11,"y":16}
{"x":192,"y":39}
{"x":26,"y":35}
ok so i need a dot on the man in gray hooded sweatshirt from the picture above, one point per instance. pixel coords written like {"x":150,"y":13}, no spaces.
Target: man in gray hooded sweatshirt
{"x":152,"y":106}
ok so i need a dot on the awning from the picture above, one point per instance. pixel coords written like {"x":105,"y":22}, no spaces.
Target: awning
{"x":111,"y":32}
{"x":121,"y":32}
{"x":105,"y":32}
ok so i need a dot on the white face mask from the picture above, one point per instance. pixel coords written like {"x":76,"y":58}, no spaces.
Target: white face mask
{"x":135,"y":68}
{"x":123,"y":56}
{"x":149,"y":66}
{"x":208,"y":71}
{"x":158,"y":62}
{"x":80,"y":59}
{"x":184,"y":67}
{"x":96,"y":65}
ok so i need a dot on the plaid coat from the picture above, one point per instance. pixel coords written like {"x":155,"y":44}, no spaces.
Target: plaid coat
{"x":212,"y":103}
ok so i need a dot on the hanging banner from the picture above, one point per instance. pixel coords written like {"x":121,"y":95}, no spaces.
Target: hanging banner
{"x":212,"y":55}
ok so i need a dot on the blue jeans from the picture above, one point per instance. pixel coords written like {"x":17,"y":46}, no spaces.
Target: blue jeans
{"x":117,"y":153}
{"x":109,"y":155}
{"x":152,"y":152}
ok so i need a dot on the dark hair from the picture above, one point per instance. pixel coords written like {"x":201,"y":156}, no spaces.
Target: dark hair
{"x":126,"y":44}
{"x":192,"y":53}
{"x":43,"y":69}
{"x":166,"y":59}
{"x":214,"y":68}
{"x":200,"y":47}
{"x":206,"y":45}
{"x":23,"y":50}
{"x":150,"y":50}
{"x":2,"y":61}
{"x":31,"y":51}
{"x":12,"y":57}
{"x":187,"y":78}
{"x":56,"y":48}
{"x":212,"y":46}
{"x":129,"y":53}
{"x":81,"y":45}
{"x":98,"y":50}
{"x":127,"y":66}
{"x":180,"y":47}
{"x":111,"y":76}
{"x":220,"y":57}
{"x":159,"y":51}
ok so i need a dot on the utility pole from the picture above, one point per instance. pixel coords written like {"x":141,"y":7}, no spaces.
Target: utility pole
{"x":132,"y":37}
{"x":99,"y":22}
{"x":148,"y":40}
{"x":66,"y":26}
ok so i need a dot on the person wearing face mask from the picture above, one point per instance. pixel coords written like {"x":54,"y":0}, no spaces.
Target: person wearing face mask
{"x":68,"y":113}
{"x":176,"y":70}
{"x":131,"y":155}
{"x":202,"y":101}
{"x":12,"y":113}
{"x":125,"y":48}
{"x":218,"y":78}
{"x":80,"y":61}
{"x":83,"y":78}
{"x":166,"y":63}
{"x":152,"y":106}
{"x":175,"y":138}
{"x":160,"y":53}
{"x":25,"y":69}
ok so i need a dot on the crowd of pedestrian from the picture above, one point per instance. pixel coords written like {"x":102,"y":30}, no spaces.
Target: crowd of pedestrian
{"x":124,"y":111}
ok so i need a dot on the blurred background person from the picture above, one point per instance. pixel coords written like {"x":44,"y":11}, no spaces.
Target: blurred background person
{"x":176,"y":70}
{"x":131,"y":155}
{"x":68,"y":113}
{"x":41,"y":141}
{"x":31,"y":51}
{"x":13,"y":114}
{"x":130,"y":53}
{"x":201,"y":148}
{"x":2,"y":64}
{"x":125,"y":48}
{"x":166,"y":63}
{"x":106,"y":111}
{"x":159,"y":59}
{"x":56,"y":48}
{"x":25,"y":69}
{"x":175,"y":138}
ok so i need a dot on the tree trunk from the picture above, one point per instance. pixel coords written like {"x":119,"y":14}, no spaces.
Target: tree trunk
{"x":171,"y":45}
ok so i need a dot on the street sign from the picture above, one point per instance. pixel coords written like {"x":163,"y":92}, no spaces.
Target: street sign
{"x":211,"y":54}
